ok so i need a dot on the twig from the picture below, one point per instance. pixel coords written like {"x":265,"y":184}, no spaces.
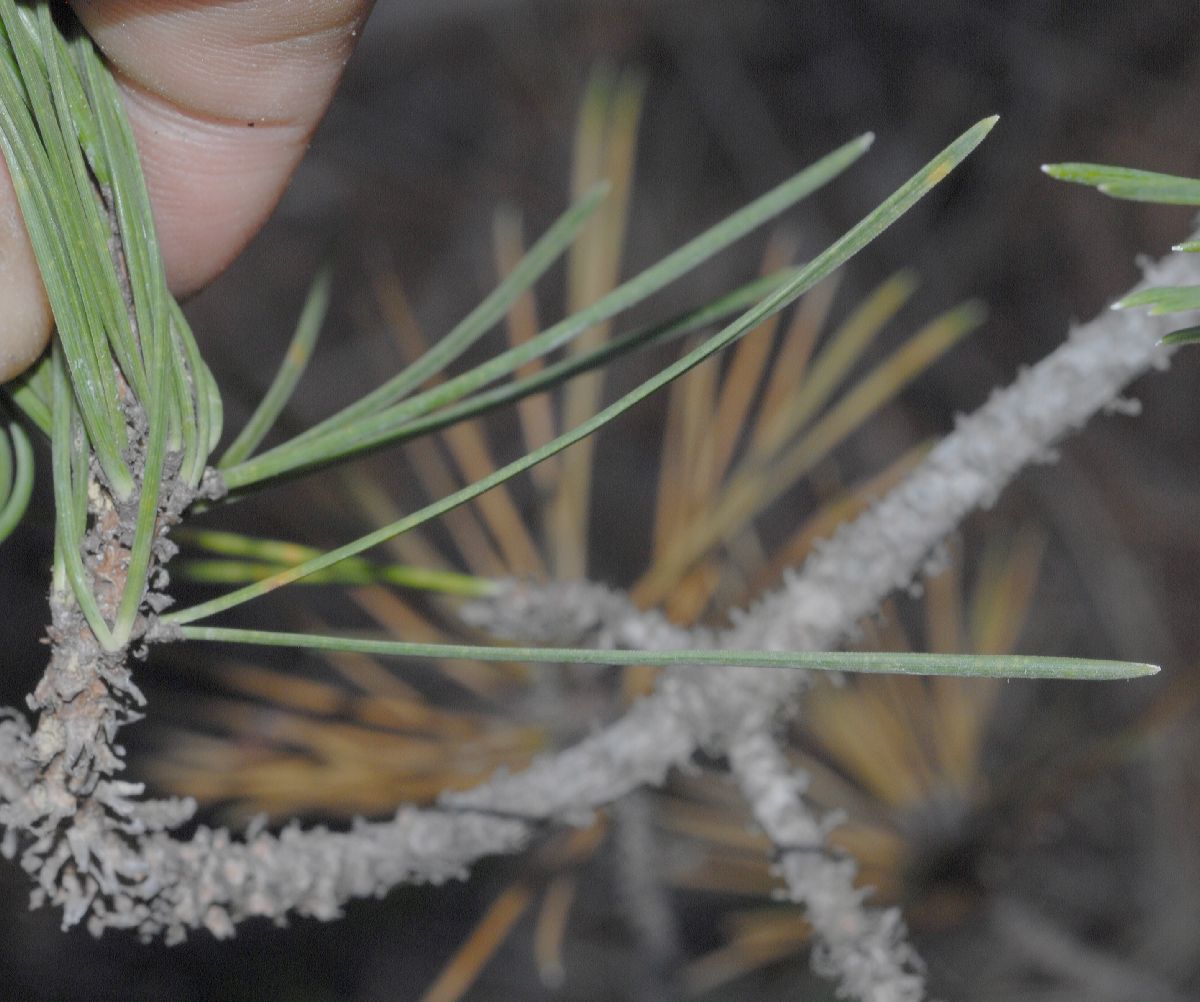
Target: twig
{"x":864,"y":949}
{"x":843,"y":581}
{"x":146,"y":879}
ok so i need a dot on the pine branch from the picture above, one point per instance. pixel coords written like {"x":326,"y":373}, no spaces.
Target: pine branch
{"x":845,"y":580}
{"x":116,"y":864}
{"x":864,"y":949}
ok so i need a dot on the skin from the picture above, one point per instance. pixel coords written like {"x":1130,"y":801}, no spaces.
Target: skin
{"x":223,"y":96}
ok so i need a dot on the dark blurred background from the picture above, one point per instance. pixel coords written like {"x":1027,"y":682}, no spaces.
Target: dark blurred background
{"x":450,"y":108}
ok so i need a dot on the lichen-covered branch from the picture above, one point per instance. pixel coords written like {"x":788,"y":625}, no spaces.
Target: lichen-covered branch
{"x":107,"y":857}
{"x":112,"y":861}
{"x":845,"y":580}
{"x":864,"y":949}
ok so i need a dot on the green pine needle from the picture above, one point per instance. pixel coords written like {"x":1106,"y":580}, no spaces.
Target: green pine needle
{"x":16,"y":476}
{"x":337,"y":439}
{"x":1188,"y":335}
{"x":312,"y":316}
{"x":1166,"y":299}
{"x":32,"y":393}
{"x":1145,"y":186}
{"x":1128,"y":183}
{"x":834,"y":257}
{"x":874,"y":663}
{"x":126,"y":371}
{"x":252,"y":559}
{"x":560,"y":372}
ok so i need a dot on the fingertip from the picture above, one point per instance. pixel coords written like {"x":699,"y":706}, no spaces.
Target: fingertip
{"x":20,"y":347}
{"x":25,"y":319}
{"x":222,"y":99}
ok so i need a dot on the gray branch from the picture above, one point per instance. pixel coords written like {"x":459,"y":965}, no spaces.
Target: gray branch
{"x":103,"y":855}
{"x":845,"y":580}
{"x":864,"y":949}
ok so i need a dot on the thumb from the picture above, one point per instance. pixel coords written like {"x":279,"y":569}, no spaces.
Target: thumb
{"x":24,"y":309}
{"x":222,"y":99}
